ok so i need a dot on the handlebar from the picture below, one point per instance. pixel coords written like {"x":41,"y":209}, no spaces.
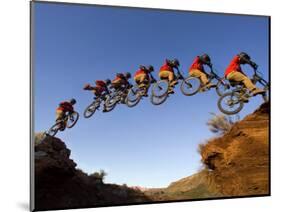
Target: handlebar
{"x":258,"y":76}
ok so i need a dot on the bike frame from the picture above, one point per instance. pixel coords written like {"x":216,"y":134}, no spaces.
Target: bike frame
{"x":213,"y":75}
{"x":257,"y":78}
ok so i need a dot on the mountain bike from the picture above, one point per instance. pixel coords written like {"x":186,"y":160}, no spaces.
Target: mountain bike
{"x":117,"y":96}
{"x":160,"y":89}
{"x":136,"y":93}
{"x":91,"y":109}
{"x":192,"y":85}
{"x":68,"y":121}
{"x":233,"y":102}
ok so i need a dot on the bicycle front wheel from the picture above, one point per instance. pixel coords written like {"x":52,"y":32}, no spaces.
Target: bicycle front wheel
{"x":72,"y":120}
{"x":90,"y":110}
{"x":190,"y":86}
{"x":53,"y":130}
{"x":160,"y":88}
{"x":110,"y":103}
{"x":222,"y":88}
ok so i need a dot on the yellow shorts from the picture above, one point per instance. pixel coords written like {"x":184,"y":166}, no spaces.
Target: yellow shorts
{"x":166,"y":75}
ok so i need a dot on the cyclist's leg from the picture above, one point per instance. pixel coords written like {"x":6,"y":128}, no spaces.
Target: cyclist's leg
{"x":172,"y":79}
{"x":143,"y":80}
{"x":165,"y":75}
{"x":60,"y":115}
{"x":201,"y":76}
{"x":239,"y":77}
{"x":137,"y":79}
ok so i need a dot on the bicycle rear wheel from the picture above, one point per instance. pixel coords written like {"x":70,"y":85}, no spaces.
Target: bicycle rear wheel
{"x":133,"y":96}
{"x":53,"y":130}
{"x":230,"y":103}
{"x":158,"y":100}
{"x":90,"y":110}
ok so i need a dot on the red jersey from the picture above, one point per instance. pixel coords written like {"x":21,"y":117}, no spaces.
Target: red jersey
{"x":120,"y":78}
{"x":117,"y":79}
{"x":166,"y":67}
{"x":100,"y":86}
{"x":100,"y":83}
{"x":65,"y":107}
{"x":140,"y":71}
{"x":233,"y":66}
{"x":197,"y":64}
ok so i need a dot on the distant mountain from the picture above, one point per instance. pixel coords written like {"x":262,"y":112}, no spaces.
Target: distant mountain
{"x":192,"y":187}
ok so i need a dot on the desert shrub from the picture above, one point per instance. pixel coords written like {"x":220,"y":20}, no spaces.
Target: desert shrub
{"x":219,"y":123}
{"x":38,"y":138}
{"x":98,"y":176}
{"x":201,"y":147}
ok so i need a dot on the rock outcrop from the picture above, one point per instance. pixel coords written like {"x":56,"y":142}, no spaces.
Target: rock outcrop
{"x":238,"y":161}
{"x":236,"y":164}
{"x":58,"y":184}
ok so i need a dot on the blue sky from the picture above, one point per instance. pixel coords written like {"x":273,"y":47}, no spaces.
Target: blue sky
{"x":147,"y":145}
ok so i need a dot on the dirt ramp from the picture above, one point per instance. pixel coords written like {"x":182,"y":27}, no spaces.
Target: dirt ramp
{"x":238,"y":161}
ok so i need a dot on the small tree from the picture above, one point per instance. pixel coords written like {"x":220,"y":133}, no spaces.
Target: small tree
{"x":99,"y":176}
{"x":219,"y":123}
{"x":102,"y":174}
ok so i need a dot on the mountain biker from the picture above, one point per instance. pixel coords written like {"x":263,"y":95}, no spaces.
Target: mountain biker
{"x":142,"y":77}
{"x":64,"y":108}
{"x":121,"y":80}
{"x":234,"y":73}
{"x":197,"y":70}
{"x":100,"y":90}
{"x":167,"y":72}
{"x":121,"y":83}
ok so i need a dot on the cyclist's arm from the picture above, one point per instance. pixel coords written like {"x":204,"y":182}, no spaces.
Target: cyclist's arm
{"x":252,"y":64}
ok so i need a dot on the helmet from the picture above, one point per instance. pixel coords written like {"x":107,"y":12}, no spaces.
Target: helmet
{"x":169,"y":62}
{"x":107,"y":81}
{"x":86,"y":86}
{"x":150,"y":68}
{"x":175,"y":62}
{"x":244,"y":57}
{"x":128,"y":75}
{"x":100,"y":83}
{"x":142,"y":67}
{"x":205,"y":58}
{"x":72,"y":101}
{"x":119,"y":75}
